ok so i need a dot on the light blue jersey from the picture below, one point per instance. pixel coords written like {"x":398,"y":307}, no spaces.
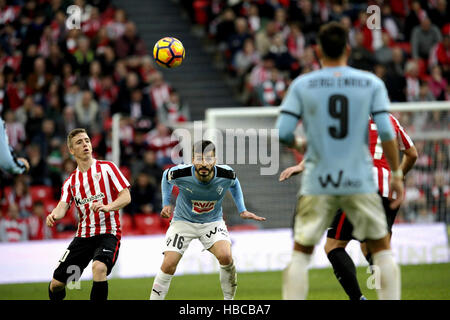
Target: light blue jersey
{"x":197,"y":201}
{"x":334,"y":104}
{"x":8,"y":161}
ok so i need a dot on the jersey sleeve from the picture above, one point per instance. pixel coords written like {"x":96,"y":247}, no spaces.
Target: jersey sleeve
{"x":290,"y":113}
{"x":238,"y":195}
{"x":380,"y":99}
{"x":166,"y":188}
{"x":66,"y":195}
{"x":117,"y":178}
{"x":403,"y":139}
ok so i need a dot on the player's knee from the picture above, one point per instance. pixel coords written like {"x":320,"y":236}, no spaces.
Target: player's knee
{"x":224,"y":258}
{"x":99,"y":268}
{"x":329,"y":246}
{"x":56,"y":285}
{"x":169,"y":268}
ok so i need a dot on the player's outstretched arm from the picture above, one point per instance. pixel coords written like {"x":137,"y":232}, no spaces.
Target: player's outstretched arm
{"x":58,"y":213}
{"x":250,"y":215}
{"x":292,"y":171}
{"x":123,"y":199}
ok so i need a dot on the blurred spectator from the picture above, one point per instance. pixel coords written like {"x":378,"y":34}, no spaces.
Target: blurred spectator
{"x":383,"y":54}
{"x":360,"y":57}
{"x":174,"y":110}
{"x":39,"y":79}
{"x":236,"y":40}
{"x":159,"y":91}
{"x":19,"y":197}
{"x":116,"y":28}
{"x":440,"y":54}
{"x":271,"y":92}
{"x":161,"y":143}
{"x":395,"y":79}
{"x":309,"y":19}
{"x":412,"y":80}
{"x":69,"y":118}
{"x":280,"y":52}
{"x":143,"y":195}
{"x":87,"y":112}
{"x":130,"y":44}
{"x":225,"y":27}
{"x":84,"y":55}
{"x":390,"y":22}
{"x":254,"y":20}
{"x":246,"y":58}
{"x":424,"y":37}
{"x":263,"y":38}
{"x":413,"y":19}
{"x":424,"y":93}
{"x":15,"y":130}
{"x":12,"y":227}
{"x":149,"y":166}
{"x":37,"y":226}
{"x":140,"y":106}
{"x":295,"y":41}
{"x":440,"y":14}
{"x":438,"y":85}
{"x":38,"y":166}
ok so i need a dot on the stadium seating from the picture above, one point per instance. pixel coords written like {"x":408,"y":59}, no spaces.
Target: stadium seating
{"x":148,"y":223}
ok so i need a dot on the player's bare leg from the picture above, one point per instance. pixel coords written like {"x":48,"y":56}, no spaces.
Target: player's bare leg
{"x":295,"y":276}
{"x":228,"y":276}
{"x":99,"y":290}
{"x":162,"y":280}
{"x":56,"y":290}
{"x":390,"y":279}
{"x":366,"y":252}
{"x":343,"y":267}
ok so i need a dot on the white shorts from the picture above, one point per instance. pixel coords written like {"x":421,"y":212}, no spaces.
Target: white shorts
{"x":315,"y":213}
{"x":181,"y":233}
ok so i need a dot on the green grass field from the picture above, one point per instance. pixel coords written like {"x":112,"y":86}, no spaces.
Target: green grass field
{"x":420,"y":282}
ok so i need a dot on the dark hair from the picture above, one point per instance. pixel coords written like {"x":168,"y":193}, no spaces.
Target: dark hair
{"x":73,"y":133}
{"x":333,"y":39}
{"x":203,"y":146}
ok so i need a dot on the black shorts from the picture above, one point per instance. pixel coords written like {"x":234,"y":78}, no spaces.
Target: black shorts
{"x":341,"y":228}
{"x":103,"y":248}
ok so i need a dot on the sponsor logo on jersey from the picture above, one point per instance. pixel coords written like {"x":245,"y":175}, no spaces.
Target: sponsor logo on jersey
{"x":201,"y":206}
{"x":81,"y":202}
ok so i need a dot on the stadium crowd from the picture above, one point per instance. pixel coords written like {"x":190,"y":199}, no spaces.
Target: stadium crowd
{"x":53,"y":79}
{"x":265,"y":44}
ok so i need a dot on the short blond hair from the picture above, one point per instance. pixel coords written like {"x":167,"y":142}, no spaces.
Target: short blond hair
{"x":73,"y":133}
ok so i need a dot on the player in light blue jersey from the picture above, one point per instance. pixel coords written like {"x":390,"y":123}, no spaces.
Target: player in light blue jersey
{"x":8,"y":161}
{"x":334,"y":104}
{"x":198,"y":215}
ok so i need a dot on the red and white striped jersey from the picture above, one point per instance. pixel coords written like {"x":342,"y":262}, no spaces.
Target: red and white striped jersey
{"x":102,"y":182}
{"x":381,"y":170}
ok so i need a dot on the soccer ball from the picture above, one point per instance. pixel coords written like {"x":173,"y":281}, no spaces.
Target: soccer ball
{"x":168,"y":52}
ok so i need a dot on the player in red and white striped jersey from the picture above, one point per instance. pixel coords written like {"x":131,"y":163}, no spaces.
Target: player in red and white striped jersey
{"x":99,"y":190}
{"x":340,"y":232}
{"x":381,"y":170}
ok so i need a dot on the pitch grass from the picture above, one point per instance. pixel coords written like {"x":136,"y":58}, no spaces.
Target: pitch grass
{"x":419,"y":282}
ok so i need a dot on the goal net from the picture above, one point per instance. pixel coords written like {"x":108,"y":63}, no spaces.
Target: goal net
{"x":427,"y":184}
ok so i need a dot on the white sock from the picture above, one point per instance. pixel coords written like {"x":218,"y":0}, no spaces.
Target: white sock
{"x":295,"y":277}
{"x":390,"y":278}
{"x":160,"y":286}
{"x":228,"y":281}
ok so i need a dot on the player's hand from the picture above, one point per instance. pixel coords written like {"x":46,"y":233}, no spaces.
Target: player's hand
{"x":51,"y":219}
{"x":291,"y":171}
{"x":397,"y":187}
{"x":167,"y":211}
{"x":250,"y":215}
{"x":99,"y":206}
{"x":25,"y":163}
